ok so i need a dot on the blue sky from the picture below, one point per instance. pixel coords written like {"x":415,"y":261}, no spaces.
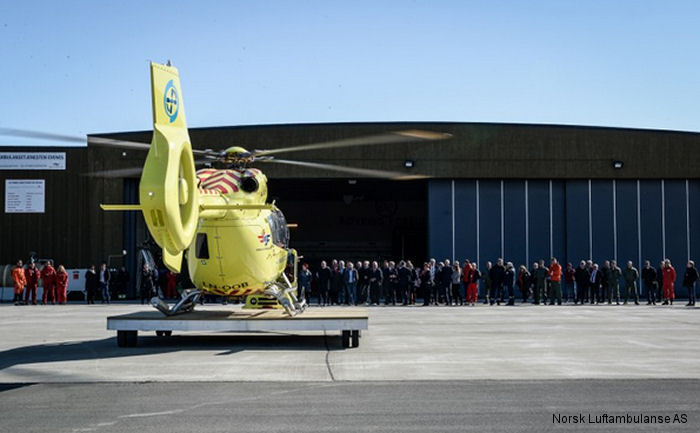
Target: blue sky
{"x":79,"y":67}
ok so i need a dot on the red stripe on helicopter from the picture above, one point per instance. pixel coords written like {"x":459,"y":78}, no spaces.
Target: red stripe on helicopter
{"x":229,"y":183}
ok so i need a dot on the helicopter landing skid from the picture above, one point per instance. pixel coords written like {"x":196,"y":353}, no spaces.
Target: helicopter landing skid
{"x":185,"y":305}
{"x":286,"y":298}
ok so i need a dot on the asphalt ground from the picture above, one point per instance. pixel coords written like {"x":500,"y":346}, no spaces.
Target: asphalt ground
{"x":477,"y":368}
{"x":454,"y":406}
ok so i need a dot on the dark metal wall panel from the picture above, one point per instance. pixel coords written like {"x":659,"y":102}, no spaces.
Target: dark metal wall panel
{"x":577,"y":222}
{"x":439,"y":219}
{"x":627,"y":230}
{"x":559,"y":241}
{"x":603,"y":229}
{"x":538,"y":220}
{"x":650,"y":206}
{"x":694,"y":201}
{"x":514,"y":221}
{"x":676,"y":234}
{"x":465,"y":220}
{"x":489,"y":221}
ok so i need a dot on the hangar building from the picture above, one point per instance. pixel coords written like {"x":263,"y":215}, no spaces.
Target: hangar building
{"x":522,"y":192}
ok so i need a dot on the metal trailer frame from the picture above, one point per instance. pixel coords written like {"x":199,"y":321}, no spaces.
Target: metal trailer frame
{"x":348,"y":321}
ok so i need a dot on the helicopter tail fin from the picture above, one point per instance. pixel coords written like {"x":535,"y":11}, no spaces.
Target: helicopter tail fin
{"x":168,"y":191}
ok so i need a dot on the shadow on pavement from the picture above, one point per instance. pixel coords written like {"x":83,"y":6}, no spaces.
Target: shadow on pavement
{"x":107,"y":348}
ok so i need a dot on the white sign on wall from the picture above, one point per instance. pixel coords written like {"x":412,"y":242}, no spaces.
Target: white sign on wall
{"x":32,"y":160}
{"x":24,"y":195}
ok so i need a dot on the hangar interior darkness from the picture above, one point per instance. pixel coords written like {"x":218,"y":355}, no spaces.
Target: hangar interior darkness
{"x":356,"y":219}
{"x":526,"y":220}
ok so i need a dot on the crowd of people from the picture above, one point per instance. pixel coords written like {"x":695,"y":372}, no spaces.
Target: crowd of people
{"x":435,"y":283}
{"x":446,"y":283}
{"x":26,"y":281}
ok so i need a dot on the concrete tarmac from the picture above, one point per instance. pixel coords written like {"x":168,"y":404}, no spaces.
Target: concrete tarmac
{"x":454,"y":406}
{"x":44,"y":344}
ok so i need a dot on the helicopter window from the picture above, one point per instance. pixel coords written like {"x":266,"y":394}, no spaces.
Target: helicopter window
{"x":201,"y":246}
{"x":279,"y":229}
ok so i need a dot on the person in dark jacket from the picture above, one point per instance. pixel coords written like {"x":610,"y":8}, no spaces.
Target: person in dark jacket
{"x":689,"y":279}
{"x":649,"y":282}
{"x":456,"y":292}
{"x":497,"y":273}
{"x":539,"y":277}
{"x":426,"y":283}
{"x":614,"y":275}
{"x":488,"y":287}
{"x":389,"y":282}
{"x":323,"y":277}
{"x":660,"y":281}
{"x":582,"y":278}
{"x":604,"y":282}
{"x":630,"y":274}
{"x":508,"y":281}
{"x":595,"y":284}
{"x":92,"y":281}
{"x":149,"y":279}
{"x":445,"y":282}
{"x":304,"y":287}
{"x":375,"y":283}
{"x":403,"y":280}
{"x":350,"y":278}
{"x":336,"y":282}
{"x":363,"y":272}
{"x":524,"y":282}
{"x":569,"y":283}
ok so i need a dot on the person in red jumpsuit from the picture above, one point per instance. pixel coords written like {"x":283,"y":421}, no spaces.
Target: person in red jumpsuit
{"x":48,"y":280}
{"x":19,"y":280}
{"x":32,"y":275}
{"x":669,"y":280}
{"x":61,"y":284}
{"x":466,"y":279}
{"x":171,"y":285}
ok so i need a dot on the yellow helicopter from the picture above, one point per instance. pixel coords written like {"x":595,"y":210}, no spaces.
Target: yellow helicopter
{"x":236,"y":244}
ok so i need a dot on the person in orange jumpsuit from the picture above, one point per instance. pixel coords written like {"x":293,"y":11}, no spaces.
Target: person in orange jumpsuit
{"x":20,"y":282}
{"x":171,"y":285}
{"x":466,"y":279}
{"x":48,"y":280}
{"x":669,"y":280}
{"x":32,"y":275}
{"x":61,"y":284}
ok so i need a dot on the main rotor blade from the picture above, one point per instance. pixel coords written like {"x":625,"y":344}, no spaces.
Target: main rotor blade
{"x":130,"y":171}
{"x":368,"y":172}
{"x":95,"y":141}
{"x":390,"y":137}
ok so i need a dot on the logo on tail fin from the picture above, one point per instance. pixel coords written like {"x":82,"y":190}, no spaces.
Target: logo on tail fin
{"x":171,"y":101}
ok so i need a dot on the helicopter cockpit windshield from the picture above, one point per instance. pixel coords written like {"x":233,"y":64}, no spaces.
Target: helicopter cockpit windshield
{"x":279,"y":229}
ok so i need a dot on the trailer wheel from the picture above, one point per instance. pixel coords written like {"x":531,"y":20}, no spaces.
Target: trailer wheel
{"x":160,"y":333}
{"x":121,"y":338}
{"x":346,"y":339}
{"x":131,"y":338}
{"x":355,"y":338}
{"x":167,"y":333}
